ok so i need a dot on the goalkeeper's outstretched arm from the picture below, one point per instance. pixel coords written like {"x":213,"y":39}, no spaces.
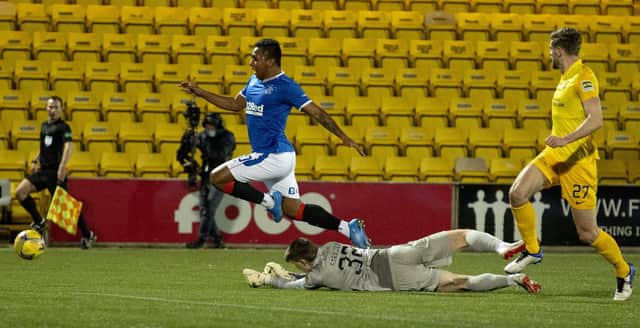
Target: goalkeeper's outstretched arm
{"x":282,"y":283}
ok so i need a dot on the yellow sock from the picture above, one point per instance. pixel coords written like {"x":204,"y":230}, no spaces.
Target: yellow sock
{"x":608,"y":248}
{"x":525,"y":217}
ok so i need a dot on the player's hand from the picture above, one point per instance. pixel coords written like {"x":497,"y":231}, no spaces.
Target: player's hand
{"x":190,"y":87}
{"x":554,"y":142}
{"x":355,"y":145}
{"x":34,"y":167}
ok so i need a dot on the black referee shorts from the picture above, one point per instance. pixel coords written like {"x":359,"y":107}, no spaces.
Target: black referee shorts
{"x":46,"y":179}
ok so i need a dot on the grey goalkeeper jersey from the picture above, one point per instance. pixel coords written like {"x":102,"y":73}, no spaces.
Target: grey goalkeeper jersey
{"x":344,"y":267}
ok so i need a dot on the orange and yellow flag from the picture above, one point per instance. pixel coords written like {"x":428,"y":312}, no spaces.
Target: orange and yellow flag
{"x":64,"y":210}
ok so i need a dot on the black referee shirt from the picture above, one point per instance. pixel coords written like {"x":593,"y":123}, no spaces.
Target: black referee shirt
{"x":52,"y":139}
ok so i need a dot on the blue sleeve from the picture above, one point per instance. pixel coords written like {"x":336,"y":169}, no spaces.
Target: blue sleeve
{"x":296,"y":96}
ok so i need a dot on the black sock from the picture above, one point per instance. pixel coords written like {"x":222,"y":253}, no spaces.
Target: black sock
{"x":317,"y":216}
{"x":30,"y":205}
{"x":82,"y":224}
{"x":247,"y":192}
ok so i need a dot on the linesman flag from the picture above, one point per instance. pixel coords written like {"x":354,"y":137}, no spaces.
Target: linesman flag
{"x":64,"y":210}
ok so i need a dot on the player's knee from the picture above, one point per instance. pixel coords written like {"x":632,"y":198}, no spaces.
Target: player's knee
{"x":22,"y":191}
{"x":517,"y":196}
{"x":587,"y":236}
{"x":291,"y":206}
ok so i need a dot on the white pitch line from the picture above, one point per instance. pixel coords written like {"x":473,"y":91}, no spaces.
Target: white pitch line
{"x":250,"y":307}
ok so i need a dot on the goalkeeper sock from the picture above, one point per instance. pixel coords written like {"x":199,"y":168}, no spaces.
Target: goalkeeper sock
{"x":482,"y":241}
{"x":30,"y":206}
{"x":486,"y":282}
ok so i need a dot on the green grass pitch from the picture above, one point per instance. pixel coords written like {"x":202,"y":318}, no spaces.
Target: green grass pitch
{"x":139,"y":287}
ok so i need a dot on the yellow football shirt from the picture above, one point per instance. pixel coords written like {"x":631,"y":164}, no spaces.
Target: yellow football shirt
{"x":576,"y":85}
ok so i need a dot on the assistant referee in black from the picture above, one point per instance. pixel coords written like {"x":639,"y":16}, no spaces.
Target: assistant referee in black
{"x":49,"y":168}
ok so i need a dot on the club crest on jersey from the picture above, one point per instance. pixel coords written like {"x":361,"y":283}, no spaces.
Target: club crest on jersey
{"x":587,"y":86}
{"x":48,"y":140}
{"x":253,"y":109}
{"x":268,"y":90}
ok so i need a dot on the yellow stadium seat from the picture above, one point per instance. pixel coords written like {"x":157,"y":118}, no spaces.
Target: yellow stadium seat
{"x":631,"y":29}
{"x":615,"y":86}
{"x":25,"y":135}
{"x":381,"y":142}
{"x":506,"y":27}
{"x":376,"y":83}
{"x":135,"y":76}
{"x":365,"y":169}
{"x":49,"y":46}
{"x":15,"y":45}
{"x":153,"y":108}
{"x":82,"y":164}
{"x":38,"y":101}
{"x":401,"y":169}
{"x":455,"y":6}
{"x":67,"y":18}
{"x":119,"y":47}
{"x":493,"y":56}
{"x":504,"y":170}
{"x":624,"y":57}
{"x":519,"y":144}
{"x":473,"y":26}
{"x":98,"y":137}
{"x":171,"y":20}
{"x":340,"y":24}
{"x":584,"y":7}
{"x":426,"y":54}
{"x":205,"y":21}
{"x":606,"y":29}
{"x":116,"y":165}
{"x":166,"y":138}
{"x":579,"y":22}
{"x":272,"y":22}
{"x":167,"y":77}
{"x":236,"y":77}
{"x":362,"y":110}
{"x":465,"y":113}
{"x":247,"y":45}
{"x":500,"y":113}
{"x":238,"y":22}
{"x":388,"y":5}
{"x":411,"y":83}
{"x":208,"y":77}
{"x":633,"y":167}
{"x":543,"y":84}
{"x":485,"y":143}
{"x":450,"y":142}
{"x":471,"y":170}
{"x":294,"y":52}
{"x":118,"y":107}
{"x":440,"y":25}
{"x":32,"y":17}
{"x":397,"y":112}
{"x":290,"y":4}
{"x":14,"y":106}
{"x":222,"y":51}
{"x":310,"y":135}
{"x":526,"y":56}
{"x":612,"y":172}
{"x":374,"y":24}
{"x":596,"y":56}
{"x":152,"y":165}
{"x":538,"y":27}
{"x":103,"y":19}
{"x":534,"y":114}
{"x":432,"y":112}
{"x":153,"y":49}
{"x":480,"y":82}
{"x":425,"y":6}
{"x":416,"y":142}
{"x":487,"y":6}
{"x":459,"y":55}
{"x":513,"y":85}
{"x":407,"y":25}
{"x":392,"y":55}
{"x":610,"y":114}
{"x":84,"y":47}
{"x":330,"y":168}
{"x":66,"y":76}
{"x":134,"y":137}
{"x":187,"y":49}
{"x":623,"y":145}
{"x":343,"y":82}
{"x":445,"y":83}
{"x":13,"y":164}
{"x":436,"y":169}
{"x":340,"y":149}
{"x":311,"y":79}
{"x":356,"y":5}
{"x":83,"y":106}
{"x":136,"y":20}
{"x":123,"y":2}
{"x":617,"y":7}
{"x":323,"y":4}
{"x":8,"y":12}
{"x":262,"y":4}
{"x":630,"y":116}
{"x":6,"y":76}
{"x":31,"y":74}
{"x":520,"y":6}
{"x":4,"y":138}
{"x":239,"y":132}
{"x":102,"y":77}
{"x":304,"y":168}
{"x":307,"y":23}
{"x":554,"y":7}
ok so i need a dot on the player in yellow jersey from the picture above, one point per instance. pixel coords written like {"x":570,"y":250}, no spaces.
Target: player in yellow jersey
{"x":570,"y":160}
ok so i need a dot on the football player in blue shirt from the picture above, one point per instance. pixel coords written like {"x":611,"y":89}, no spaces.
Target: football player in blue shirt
{"x":267,"y":100}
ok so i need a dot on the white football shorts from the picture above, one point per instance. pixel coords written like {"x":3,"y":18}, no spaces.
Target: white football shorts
{"x":276,"y":171}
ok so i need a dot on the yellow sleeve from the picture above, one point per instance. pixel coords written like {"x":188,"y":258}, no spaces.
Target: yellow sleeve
{"x":587,"y":85}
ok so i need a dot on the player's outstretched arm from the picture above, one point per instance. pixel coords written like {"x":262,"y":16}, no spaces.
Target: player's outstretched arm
{"x":328,"y":123}
{"x":234,"y":104}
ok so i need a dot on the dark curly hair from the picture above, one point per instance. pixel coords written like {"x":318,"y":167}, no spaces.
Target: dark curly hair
{"x":567,"y":38}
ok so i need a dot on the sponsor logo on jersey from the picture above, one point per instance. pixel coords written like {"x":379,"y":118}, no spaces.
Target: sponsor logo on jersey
{"x":253,"y":109}
{"x":587,"y":86}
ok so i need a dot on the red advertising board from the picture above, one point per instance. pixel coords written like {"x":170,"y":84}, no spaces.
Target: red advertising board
{"x":165,"y":211}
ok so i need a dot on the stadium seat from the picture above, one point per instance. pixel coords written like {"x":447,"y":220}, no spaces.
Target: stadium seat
{"x":340,"y":24}
{"x":610,"y":114}
{"x":235,"y":78}
{"x":487,"y":6}
{"x":304,"y":168}
{"x":606,"y":29}
{"x":121,"y":3}
{"x":294,"y":53}
{"x":376,"y":83}
{"x":310,"y":135}
{"x":168,"y":76}
{"x":520,"y":6}
{"x":15,"y":45}
{"x":166,"y":138}
{"x":4,"y":138}
{"x":187,"y":49}
{"x":631,"y":29}
{"x":436,"y":170}
{"x":330,"y":168}
{"x":397,"y":112}
{"x":32,"y":17}
{"x":153,"y":49}
{"x":485,"y":143}
{"x":152,"y":166}
{"x":134,"y":138}
{"x":584,"y":7}
{"x":465,"y":113}
{"x":65,"y":77}
{"x":8,"y":12}
{"x":374,"y":24}
{"x":356,"y":5}
{"x":118,"y":107}
{"x":49,"y":46}
{"x":432,"y":112}
{"x":262,"y":4}
{"x":473,"y":26}
{"x":615,"y":86}
{"x":136,"y":76}
{"x":455,"y":6}
{"x":624,"y":57}
{"x":290,"y":4}
{"x":425,"y":6}
{"x":340,"y":149}
{"x":411,"y":83}
{"x":381,"y":142}
{"x":392,"y":55}
{"x":136,"y":20}
{"x":596,"y":56}
{"x":31,"y":74}
{"x":238,"y":22}
{"x":205,"y":21}
{"x":504,"y":170}
{"x":612,"y":172}
{"x":171,"y":20}
{"x":208,"y":77}
{"x":633,"y":171}
{"x":526,"y":56}
{"x":554,"y":7}
{"x":82,"y":164}
{"x":307,"y":23}
{"x":519,"y":144}
{"x":440,"y":25}
{"x":13,"y":165}
{"x":630,"y":116}
{"x":362,"y":111}
{"x":342,"y":82}
{"x":401,"y":169}
{"x":272,"y":22}
{"x":445,"y":83}
{"x":500,"y":113}
{"x":365,"y":169}
{"x":103,"y":19}
{"x":426,"y":55}
{"x":622,"y":145}
{"x":479,"y":82}
{"x":98,"y":137}
{"x":543,"y":84}
{"x":407,"y":25}
{"x":116,"y":165}
{"x":38,"y":104}
{"x":388,"y":5}
{"x":153,"y":108}
{"x":84,"y":47}
{"x":492,"y":56}
{"x":617,"y":7}
{"x":506,"y":27}
{"x":25,"y":135}
{"x":459,"y":55}
{"x":513,"y":85}
{"x":83,"y":106}
{"x":119,"y":48}
{"x":102,"y":77}
{"x":222,"y":51}
{"x":471,"y":170}
{"x":311,"y":79}
{"x":534,"y":114}
{"x":450,"y":142}
{"x":67,"y":17}
{"x":579,"y":22}
{"x":416,"y":142}
{"x":538,"y":27}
